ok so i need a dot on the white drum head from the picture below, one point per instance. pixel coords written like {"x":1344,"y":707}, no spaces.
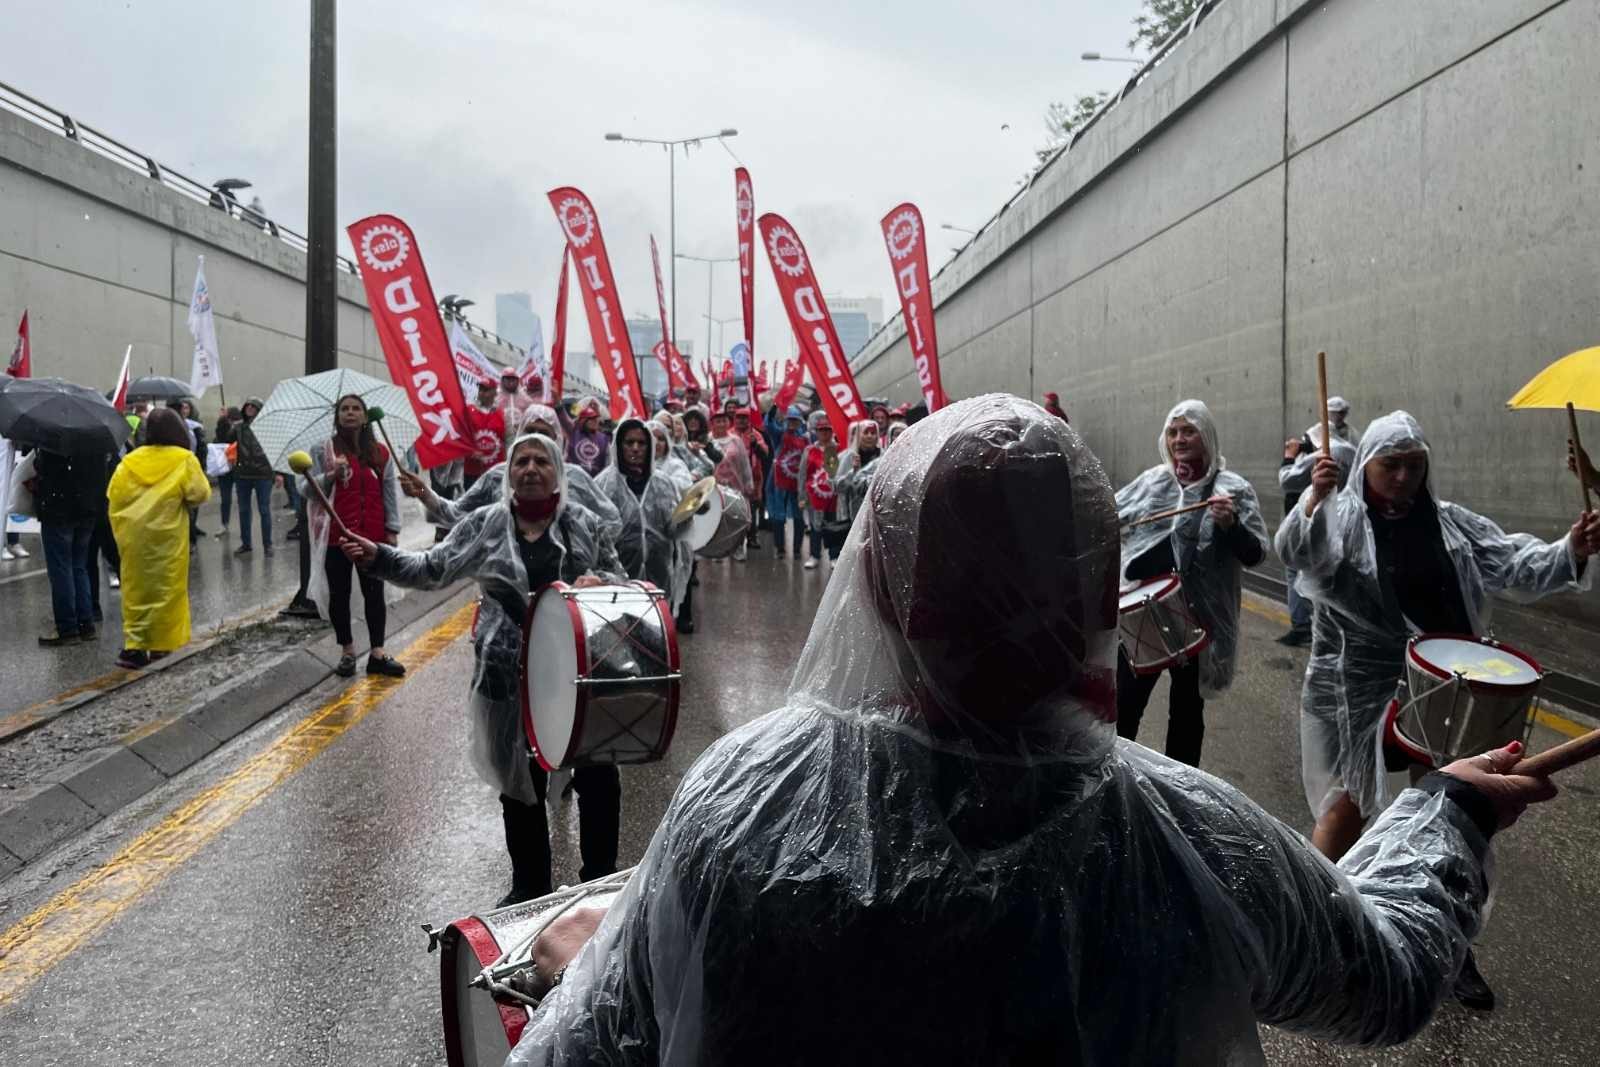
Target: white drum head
{"x":703,"y":525}
{"x":1475,"y":661}
{"x":552,"y":676}
{"x":1153,"y":587}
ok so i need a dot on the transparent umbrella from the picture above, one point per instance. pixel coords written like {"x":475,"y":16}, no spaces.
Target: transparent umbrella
{"x":299,"y":413}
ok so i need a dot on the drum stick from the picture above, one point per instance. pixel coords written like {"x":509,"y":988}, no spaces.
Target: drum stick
{"x":1158,"y":516}
{"x":1322,"y":390}
{"x":1561,"y":757}
{"x":1577,"y":454}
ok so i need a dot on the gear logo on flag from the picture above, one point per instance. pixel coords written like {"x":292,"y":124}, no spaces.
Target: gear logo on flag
{"x":577,"y":220}
{"x":747,"y":205}
{"x":15,"y":363}
{"x":385,"y":247}
{"x":787,"y":254}
{"x":903,"y":233}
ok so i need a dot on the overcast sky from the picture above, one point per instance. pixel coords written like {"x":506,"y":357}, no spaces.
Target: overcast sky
{"x":459,"y":117}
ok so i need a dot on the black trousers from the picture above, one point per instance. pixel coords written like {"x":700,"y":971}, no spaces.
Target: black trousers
{"x":686,"y":609}
{"x":339,"y":569}
{"x":1186,"y":726}
{"x":599,"y":825}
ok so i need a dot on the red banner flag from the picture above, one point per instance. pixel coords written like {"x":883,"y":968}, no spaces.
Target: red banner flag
{"x":813,"y":326}
{"x":21,"y":363}
{"x":119,"y":395}
{"x":906,"y":239}
{"x":663,"y":351}
{"x":744,"y":200}
{"x":792,"y":378}
{"x":413,"y":338}
{"x":610,"y":335}
{"x":558,"y":342}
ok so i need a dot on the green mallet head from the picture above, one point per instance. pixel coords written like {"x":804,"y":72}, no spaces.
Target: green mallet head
{"x":374,"y":414}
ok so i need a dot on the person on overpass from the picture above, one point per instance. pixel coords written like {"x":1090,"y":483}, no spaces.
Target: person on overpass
{"x":1052,"y":404}
{"x":939,"y":851}
{"x":1294,"y":477}
{"x":535,"y":537}
{"x":1208,"y":549}
{"x":1383,"y":559}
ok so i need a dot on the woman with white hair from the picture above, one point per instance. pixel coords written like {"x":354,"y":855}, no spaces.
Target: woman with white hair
{"x":529,"y":538}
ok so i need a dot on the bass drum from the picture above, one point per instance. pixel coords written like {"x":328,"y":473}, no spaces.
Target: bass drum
{"x":733,"y":523}
{"x":485,"y":962}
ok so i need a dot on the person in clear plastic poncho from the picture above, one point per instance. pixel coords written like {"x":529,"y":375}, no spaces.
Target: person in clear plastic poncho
{"x":537,"y":418}
{"x":1300,"y":455}
{"x":644,"y":497}
{"x":939,"y":852}
{"x":513,"y":548}
{"x":1382,"y":559}
{"x":1208,"y":549}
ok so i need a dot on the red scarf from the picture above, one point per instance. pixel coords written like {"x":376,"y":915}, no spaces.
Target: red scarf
{"x":535,"y":510}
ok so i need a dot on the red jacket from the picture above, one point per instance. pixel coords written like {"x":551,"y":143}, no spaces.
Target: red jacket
{"x":358,"y":500}
{"x":488,"y":432}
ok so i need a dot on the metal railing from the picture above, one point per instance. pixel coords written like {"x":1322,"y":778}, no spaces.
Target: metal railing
{"x":1026,"y":185}
{"x":105,"y":146}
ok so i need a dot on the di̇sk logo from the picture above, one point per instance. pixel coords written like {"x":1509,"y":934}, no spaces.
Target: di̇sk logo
{"x":903,"y":232}
{"x":577,"y":220}
{"x":821,"y":486}
{"x":747,"y":204}
{"x":202,"y":300}
{"x":588,"y":450}
{"x":385,"y":247}
{"x":487,"y":444}
{"x":786,"y":251}
{"x":789,"y":462}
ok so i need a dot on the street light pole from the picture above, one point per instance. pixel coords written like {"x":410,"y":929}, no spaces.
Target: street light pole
{"x":711,"y":266}
{"x":322,"y":209}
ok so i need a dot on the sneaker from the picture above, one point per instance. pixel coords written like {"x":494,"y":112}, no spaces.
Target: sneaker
{"x":1471,"y":990}
{"x":346,"y":667}
{"x":267,"y":548}
{"x":18,"y":552}
{"x":301,"y":609}
{"x":87,"y":633}
{"x":385,"y":665}
{"x":1295,"y":638}
{"x":778,"y":554}
{"x":55,"y":639}
{"x":222,"y":532}
{"x":8,"y":554}
{"x":116,"y":581}
{"x":243,"y":550}
{"x":811,"y":565}
{"x":133,"y":659}
{"x":292,"y":535}
{"x":197,"y":534}
{"x":686,"y":626}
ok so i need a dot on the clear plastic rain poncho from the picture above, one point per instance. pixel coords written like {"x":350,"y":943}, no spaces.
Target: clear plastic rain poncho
{"x":938,"y":852}
{"x":669,"y":463}
{"x":1295,"y":477}
{"x":1209,"y":569}
{"x":483,"y":546}
{"x":852,"y":477}
{"x":644,"y":537}
{"x":1357,"y":650}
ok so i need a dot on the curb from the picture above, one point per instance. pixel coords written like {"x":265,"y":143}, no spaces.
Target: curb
{"x":97,"y":784}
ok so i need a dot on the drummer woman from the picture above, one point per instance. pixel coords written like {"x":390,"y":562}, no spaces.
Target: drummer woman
{"x":1380,"y":560}
{"x":644,"y":496}
{"x":513,"y":549}
{"x":1207,"y":548}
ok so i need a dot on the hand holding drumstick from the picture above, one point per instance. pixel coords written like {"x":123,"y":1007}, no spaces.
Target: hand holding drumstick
{"x":1324,"y":482}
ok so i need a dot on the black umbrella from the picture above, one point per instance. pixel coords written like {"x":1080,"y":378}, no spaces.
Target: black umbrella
{"x":157,"y":387}
{"x":59,"y":416}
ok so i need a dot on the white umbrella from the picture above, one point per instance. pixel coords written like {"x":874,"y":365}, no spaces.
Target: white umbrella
{"x":299,"y":413}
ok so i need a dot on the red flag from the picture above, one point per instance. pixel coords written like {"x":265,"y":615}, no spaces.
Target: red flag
{"x":813,"y":326}
{"x":678,"y":372}
{"x":119,"y":395}
{"x":744,"y":201}
{"x":663,"y":351}
{"x":612,"y":347}
{"x":21,"y":362}
{"x":906,"y":239}
{"x":558,"y":342}
{"x":791,"y":385}
{"x":413,"y":338}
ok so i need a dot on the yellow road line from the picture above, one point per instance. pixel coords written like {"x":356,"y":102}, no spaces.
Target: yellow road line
{"x":40,"y":941}
{"x":1257,"y":605}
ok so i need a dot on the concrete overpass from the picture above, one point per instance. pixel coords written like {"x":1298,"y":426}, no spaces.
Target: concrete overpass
{"x":1414,"y":187}
{"x":98,"y":241}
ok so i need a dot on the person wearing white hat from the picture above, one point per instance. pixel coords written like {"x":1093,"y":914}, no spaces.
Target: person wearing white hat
{"x":1294,"y":477}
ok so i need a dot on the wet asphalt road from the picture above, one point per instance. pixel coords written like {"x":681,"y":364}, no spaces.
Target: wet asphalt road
{"x":291,"y":935}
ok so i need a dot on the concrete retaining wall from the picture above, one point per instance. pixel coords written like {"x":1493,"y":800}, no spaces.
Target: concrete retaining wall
{"x":1413,"y":187}
{"x":103,"y":256}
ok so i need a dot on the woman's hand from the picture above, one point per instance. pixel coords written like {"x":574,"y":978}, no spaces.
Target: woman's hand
{"x":1578,"y":460}
{"x":562,"y":940}
{"x":415,"y":487}
{"x":1223,"y":512}
{"x":1509,"y":793}
{"x":1324,"y":482}
{"x":588,"y":581}
{"x":341,"y":468}
{"x":1585,"y":535}
{"x":1291,"y":448}
{"x":358,"y":550}
{"x":391,"y":538}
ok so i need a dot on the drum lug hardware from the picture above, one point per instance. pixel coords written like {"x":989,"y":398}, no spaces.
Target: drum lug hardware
{"x":433,"y":936}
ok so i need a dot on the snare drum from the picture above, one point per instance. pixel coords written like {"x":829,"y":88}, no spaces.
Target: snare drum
{"x":599,"y":675}
{"x":1157,"y":626}
{"x":483,"y":961}
{"x":1461,"y":696}
{"x":733,"y":522}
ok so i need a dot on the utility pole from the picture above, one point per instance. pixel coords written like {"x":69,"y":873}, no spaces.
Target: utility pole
{"x":322,"y":210}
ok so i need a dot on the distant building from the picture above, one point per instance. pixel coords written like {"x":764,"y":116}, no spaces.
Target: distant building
{"x":644,"y":334}
{"x":856,"y":319}
{"x":514,"y":318}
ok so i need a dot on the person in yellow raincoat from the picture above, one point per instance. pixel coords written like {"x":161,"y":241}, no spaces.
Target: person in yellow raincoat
{"x":150,"y":496}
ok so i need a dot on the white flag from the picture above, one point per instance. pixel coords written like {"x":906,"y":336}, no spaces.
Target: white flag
{"x":535,"y":362}
{"x":207,"y":361}
{"x":5,"y":484}
{"x":472,"y":366}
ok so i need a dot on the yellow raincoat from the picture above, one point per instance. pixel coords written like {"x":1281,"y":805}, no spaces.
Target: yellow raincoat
{"x":150,"y":497}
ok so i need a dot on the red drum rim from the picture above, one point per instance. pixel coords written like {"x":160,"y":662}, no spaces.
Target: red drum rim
{"x":580,"y":710}
{"x":1391,"y":732}
{"x":1158,"y":586}
{"x":486,"y":950}
{"x":1475,"y":684}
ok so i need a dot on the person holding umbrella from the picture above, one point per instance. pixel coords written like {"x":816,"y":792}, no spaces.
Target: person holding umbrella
{"x":154,"y":491}
{"x":252,"y":473}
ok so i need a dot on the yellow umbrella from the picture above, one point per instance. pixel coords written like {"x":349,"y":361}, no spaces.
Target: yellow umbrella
{"x":1573,"y":379}
{"x":1570,"y":382}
